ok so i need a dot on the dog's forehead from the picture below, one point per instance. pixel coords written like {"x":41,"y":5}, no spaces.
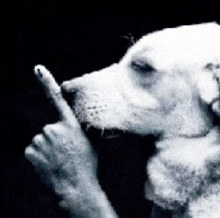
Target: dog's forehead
{"x":194,"y":42}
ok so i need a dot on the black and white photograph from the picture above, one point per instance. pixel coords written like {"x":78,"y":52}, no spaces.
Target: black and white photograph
{"x":109,"y":109}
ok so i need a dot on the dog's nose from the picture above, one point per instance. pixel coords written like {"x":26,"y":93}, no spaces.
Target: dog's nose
{"x":70,"y":86}
{"x":69,"y":89}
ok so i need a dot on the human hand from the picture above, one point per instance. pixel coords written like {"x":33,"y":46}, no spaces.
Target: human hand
{"x":62,"y":151}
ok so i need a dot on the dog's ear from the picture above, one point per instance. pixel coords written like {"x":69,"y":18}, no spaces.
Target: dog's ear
{"x":208,"y":84}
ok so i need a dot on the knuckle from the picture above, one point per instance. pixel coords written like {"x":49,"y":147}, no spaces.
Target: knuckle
{"x":61,"y":125}
{"x":29,"y":150}
{"x":52,"y":131}
{"x":52,"y":128}
{"x":72,"y":125}
{"x":38,"y":139}
{"x":48,"y":129}
{"x":35,"y":157}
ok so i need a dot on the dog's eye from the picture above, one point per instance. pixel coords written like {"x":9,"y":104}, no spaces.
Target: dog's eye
{"x":142,"y":66}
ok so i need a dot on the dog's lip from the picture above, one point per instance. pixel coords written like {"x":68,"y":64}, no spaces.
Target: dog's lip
{"x":101,"y":133}
{"x":105,"y":134}
{"x":215,"y":100}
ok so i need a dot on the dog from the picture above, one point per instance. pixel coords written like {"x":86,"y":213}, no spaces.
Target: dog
{"x":167,"y":84}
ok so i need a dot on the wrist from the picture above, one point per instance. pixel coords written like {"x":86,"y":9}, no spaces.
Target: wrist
{"x":86,"y":200}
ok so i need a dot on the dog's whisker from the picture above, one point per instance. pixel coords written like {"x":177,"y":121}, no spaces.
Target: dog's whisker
{"x":130,"y":38}
{"x":102,"y":132}
{"x":88,"y":126}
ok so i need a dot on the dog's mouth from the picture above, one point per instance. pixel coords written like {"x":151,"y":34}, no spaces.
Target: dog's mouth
{"x":93,"y":132}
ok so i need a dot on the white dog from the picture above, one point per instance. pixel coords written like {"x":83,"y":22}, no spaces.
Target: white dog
{"x":167,"y":84}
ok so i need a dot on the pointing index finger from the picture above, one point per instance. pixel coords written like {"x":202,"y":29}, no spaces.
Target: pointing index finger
{"x":53,"y":91}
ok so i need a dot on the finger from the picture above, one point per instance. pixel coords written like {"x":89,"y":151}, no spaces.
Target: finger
{"x":35,"y":157}
{"x":54,"y":132}
{"x":53,"y":91}
{"x":39,"y":143}
{"x":49,"y":131}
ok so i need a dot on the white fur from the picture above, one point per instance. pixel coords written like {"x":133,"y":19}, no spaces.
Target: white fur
{"x":173,"y":101}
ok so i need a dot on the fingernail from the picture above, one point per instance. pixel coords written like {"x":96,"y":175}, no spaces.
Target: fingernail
{"x":39,"y":73}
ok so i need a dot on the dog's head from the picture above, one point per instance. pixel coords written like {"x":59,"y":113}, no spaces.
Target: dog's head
{"x":164,"y":84}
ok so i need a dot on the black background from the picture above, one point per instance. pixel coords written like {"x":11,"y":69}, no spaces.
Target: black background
{"x":72,"y":38}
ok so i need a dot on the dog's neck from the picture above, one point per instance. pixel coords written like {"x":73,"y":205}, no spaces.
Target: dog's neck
{"x":192,"y":155}
{"x":212,"y":136}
